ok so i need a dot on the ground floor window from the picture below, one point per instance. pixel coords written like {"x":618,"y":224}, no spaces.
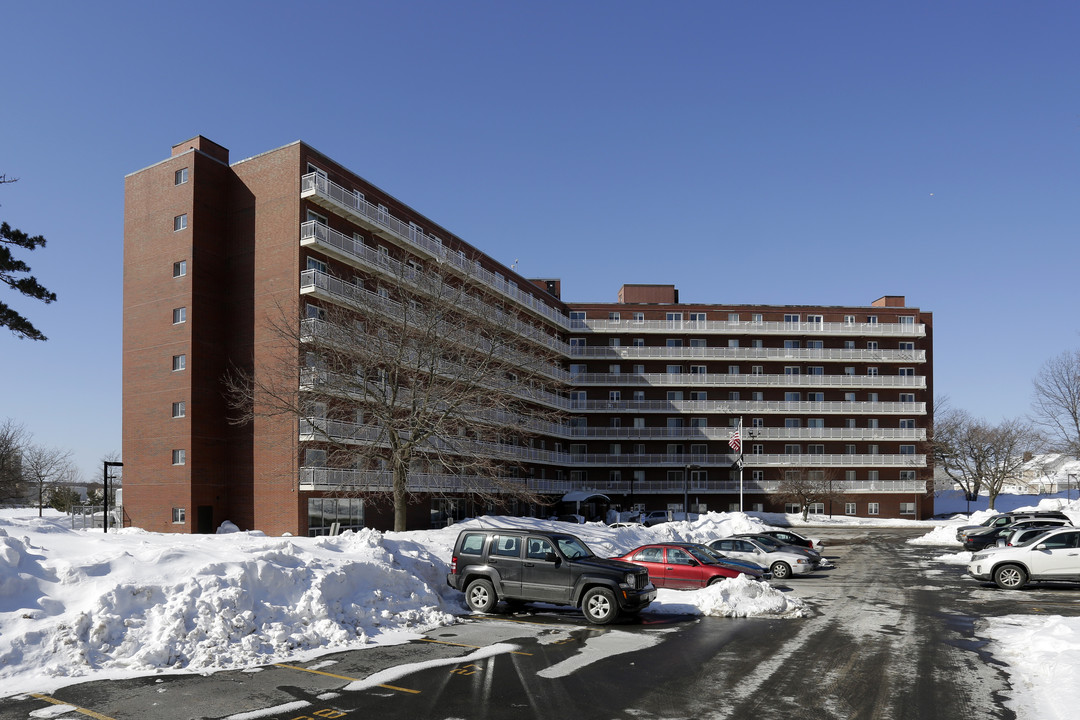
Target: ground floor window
{"x":817,"y":508}
{"x":907,"y":508}
{"x":849,"y":508}
{"x":327,"y":515}
{"x":179,"y":515}
{"x":757,"y":507}
{"x":872,"y":508}
{"x":791,"y":508}
{"x":447,"y":511}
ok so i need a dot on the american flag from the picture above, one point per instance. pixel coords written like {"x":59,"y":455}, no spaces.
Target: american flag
{"x":735,"y":440}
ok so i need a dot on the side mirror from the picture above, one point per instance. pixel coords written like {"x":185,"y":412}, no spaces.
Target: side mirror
{"x":551,"y":557}
{"x":694,"y":563}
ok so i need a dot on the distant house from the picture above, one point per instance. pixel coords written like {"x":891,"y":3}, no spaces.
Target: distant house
{"x":1046,"y":474}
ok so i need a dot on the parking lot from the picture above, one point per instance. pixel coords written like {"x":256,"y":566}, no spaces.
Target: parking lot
{"x":892,"y":634}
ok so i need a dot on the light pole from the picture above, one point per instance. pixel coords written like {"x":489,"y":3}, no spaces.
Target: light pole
{"x":1069,"y":479}
{"x":105,"y":520}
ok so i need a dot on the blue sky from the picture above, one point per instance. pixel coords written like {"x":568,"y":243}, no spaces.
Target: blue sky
{"x":779,"y":153}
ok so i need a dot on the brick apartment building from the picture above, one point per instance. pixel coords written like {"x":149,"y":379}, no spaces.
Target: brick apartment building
{"x":649,"y":389}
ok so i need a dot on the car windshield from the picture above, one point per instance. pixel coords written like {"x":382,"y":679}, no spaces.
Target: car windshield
{"x":571,"y":547}
{"x":700,"y":555}
{"x":769,"y":542}
{"x":1033,"y":538}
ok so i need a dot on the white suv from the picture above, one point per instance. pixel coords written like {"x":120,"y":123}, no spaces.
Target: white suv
{"x":1052,"y":556}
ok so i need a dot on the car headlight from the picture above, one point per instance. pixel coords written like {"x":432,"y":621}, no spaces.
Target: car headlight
{"x":631,"y":580}
{"x":801,"y":561}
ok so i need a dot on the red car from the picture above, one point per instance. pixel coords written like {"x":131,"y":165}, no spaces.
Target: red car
{"x":678,"y":567}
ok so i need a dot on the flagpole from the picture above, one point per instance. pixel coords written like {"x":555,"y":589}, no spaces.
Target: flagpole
{"x":740,"y":465}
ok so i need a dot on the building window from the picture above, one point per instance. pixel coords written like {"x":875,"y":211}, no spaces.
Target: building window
{"x":791,"y":508}
{"x":872,"y":319}
{"x":639,"y":317}
{"x":849,"y":319}
{"x":733,"y":395}
{"x":907,"y":475}
{"x":816,"y":449}
{"x":179,"y":514}
{"x":179,"y":222}
{"x":179,"y":409}
{"x":816,"y":319}
{"x":815,"y":370}
{"x":817,"y":508}
{"x":699,"y":395}
{"x":907,"y":508}
{"x":757,"y":396}
{"x":791,"y":369}
{"x":907,"y":371}
{"x":638,"y":342}
{"x":757,"y":369}
{"x":697,"y":317}
{"x":577,"y":318}
{"x":698,"y":369}
{"x":615,"y":369}
{"x":640,"y":395}
{"x":791,"y":345}
{"x":639,"y":369}
{"x":613,"y":316}
{"x":179,"y":362}
{"x":792,"y":397}
{"x":348,"y":514}
{"x":179,"y":457}
{"x":577,"y":342}
{"x":907,"y":424}
{"x":793,"y":449}
{"x":180,"y":176}
{"x":674,"y":342}
{"x":179,"y":269}
{"x":179,"y":315}
{"x":673,"y":394}
{"x":674,"y":369}
{"x":614,"y":342}
{"x":872,"y":508}
{"x":850,"y":450}
{"x":815,"y":397}
{"x":815,"y":422}
{"x":791,"y":318}
{"x":907,"y":449}
{"x":757,"y":449}
{"x":757,"y":422}
{"x":792,"y":422}
{"x":733,"y":369}
{"x":849,"y":508}
{"x":907,"y":320}
{"x":756,"y":318}
{"x":674,"y":317}
{"x":614,"y":395}
{"x":871,"y":370}
{"x":907,"y":397}
{"x":907,"y":346}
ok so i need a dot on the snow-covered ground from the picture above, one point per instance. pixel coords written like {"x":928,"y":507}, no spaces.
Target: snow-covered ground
{"x":1042,"y":652}
{"x":77,"y":605}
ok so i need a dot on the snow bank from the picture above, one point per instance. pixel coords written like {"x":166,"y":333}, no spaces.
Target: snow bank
{"x":77,"y":604}
{"x":1043,"y":656}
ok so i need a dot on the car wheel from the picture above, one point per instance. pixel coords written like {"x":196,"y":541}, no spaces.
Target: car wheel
{"x":718,"y":578}
{"x":480,"y":595}
{"x":599,"y":606}
{"x":1010,"y":577}
{"x":780,"y":570}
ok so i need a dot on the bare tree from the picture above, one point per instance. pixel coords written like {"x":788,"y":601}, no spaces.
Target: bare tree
{"x":13,"y":440}
{"x":1056,"y":405}
{"x":979,"y":456}
{"x":44,"y":466}
{"x":405,"y":382}
{"x":807,"y":486}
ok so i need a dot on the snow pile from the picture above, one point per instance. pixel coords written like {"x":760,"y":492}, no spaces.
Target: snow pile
{"x":76,"y":604}
{"x":1043,"y":656}
{"x":732,"y":597}
{"x":941,"y":535}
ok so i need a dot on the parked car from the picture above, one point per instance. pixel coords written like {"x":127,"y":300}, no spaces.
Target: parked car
{"x":770,"y":541}
{"x":1018,"y":536}
{"x":1008,"y":518}
{"x":683,"y":567}
{"x":977,"y":540}
{"x":495,"y":564}
{"x":655,"y":517}
{"x":789,"y":537}
{"x":1053,"y":556}
{"x":744,"y":565}
{"x":781,"y":564}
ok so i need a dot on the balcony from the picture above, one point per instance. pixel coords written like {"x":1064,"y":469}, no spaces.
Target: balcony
{"x":335,"y":244}
{"x":352,"y":205}
{"x":724,"y":327}
{"x":756,"y":434}
{"x":630,"y":352}
{"x":914,"y":382}
{"x":749,"y":407}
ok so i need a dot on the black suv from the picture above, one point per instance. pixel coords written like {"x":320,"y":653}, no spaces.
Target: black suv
{"x":489,"y":565}
{"x":1009,"y":518}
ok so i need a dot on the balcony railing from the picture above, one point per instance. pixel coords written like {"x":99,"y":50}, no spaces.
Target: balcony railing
{"x":748,"y":328}
{"x":915,"y":382}
{"x":747,"y":407}
{"x":341,"y":480}
{"x":630,"y":352}
{"x":377,"y":218}
{"x":749,"y":434}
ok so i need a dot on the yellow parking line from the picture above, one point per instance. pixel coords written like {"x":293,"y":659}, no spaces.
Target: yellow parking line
{"x":84,"y":711}
{"x":342,"y":677}
{"x":476,"y":647}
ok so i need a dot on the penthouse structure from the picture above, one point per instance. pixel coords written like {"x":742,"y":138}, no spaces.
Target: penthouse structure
{"x":247,"y":269}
